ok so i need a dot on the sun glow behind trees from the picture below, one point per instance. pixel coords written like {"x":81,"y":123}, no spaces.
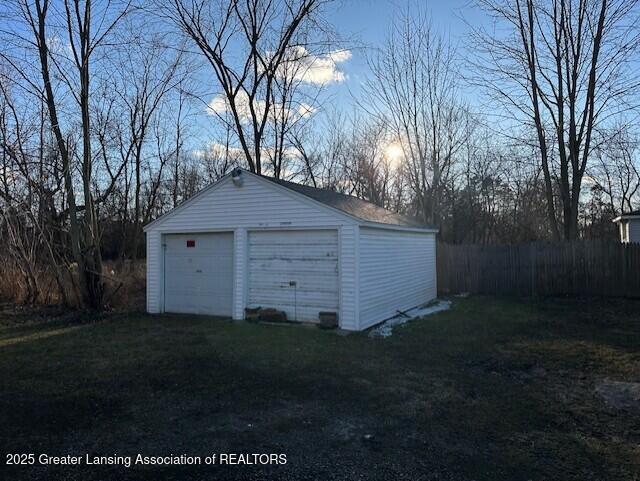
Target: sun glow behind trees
{"x":394,"y":153}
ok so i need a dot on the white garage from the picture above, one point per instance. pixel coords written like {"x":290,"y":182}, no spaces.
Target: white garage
{"x":254,"y":241}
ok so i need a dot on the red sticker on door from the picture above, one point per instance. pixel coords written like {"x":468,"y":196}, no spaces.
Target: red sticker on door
{"x":191,"y":243}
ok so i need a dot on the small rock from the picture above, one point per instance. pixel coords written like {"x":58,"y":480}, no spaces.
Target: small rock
{"x":367,"y":437}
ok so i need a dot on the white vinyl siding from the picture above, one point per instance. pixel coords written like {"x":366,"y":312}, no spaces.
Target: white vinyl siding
{"x":397,"y":271}
{"x":348,"y":265}
{"x":257,"y":204}
{"x":240,"y":272}
{"x":154,"y":272}
{"x":634,"y":230}
{"x":307,"y":258}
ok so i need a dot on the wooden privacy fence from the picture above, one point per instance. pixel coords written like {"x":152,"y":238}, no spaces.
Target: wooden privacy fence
{"x":583,"y":267}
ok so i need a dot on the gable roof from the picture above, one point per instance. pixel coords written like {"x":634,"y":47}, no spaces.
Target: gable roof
{"x":345,"y":204}
{"x":351,"y":205}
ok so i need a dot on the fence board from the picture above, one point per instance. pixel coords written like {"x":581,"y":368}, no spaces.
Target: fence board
{"x":581,"y":267}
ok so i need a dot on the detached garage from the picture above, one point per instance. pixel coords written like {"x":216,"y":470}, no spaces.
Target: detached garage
{"x":254,"y":241}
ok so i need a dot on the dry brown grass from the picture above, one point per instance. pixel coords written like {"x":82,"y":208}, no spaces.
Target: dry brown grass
{"x":125,"y":285}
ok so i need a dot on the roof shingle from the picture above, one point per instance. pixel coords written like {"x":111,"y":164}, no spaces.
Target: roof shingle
{"x":359,"y":208}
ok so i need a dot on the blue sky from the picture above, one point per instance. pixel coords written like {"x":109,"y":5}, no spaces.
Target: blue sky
{"x":364,"y":25}
{"x":368,"y":22}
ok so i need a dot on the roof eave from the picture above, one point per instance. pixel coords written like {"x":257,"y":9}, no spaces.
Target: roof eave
{"x":626,"y":217}
{"x":187,"y":202}
{"x":296,"y":194}
{"x":408,"y":228}
{"x":303,"y":197}
{"x":359,"y":220}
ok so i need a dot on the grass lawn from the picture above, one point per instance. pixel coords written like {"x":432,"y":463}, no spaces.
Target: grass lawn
{"x":493,"y":389}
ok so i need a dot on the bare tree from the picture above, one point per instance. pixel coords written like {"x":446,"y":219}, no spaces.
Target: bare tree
{"x":246,"y":43}
{"x":616,"y":171}
{"x":17,"y":196}
{"x":561,"y":68}
{"x":149,"y":71}
{"x":31,"y":182}
{"x":323,"y":153}
{"x":370,"y":173}
{"x":66,"y":37}
{"x":218,"y":159}
{"x":294,"y":102}
{"x":414,"y":89}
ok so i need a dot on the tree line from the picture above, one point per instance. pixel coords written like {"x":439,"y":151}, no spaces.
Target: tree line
{"x":114,"y":112}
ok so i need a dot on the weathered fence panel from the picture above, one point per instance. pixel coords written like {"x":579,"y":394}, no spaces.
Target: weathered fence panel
{"x":582,"y":267}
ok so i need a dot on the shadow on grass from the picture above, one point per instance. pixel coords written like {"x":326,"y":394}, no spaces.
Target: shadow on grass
{"x":493,"y":389}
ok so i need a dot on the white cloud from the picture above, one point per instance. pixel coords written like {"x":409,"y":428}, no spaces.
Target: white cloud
{"x":340,"y":55}
{"x":301,"y":66}
{"x":59,"y":47}
{"x":219,"y":105}
{"x":216,"y":149}
{"x":304,"y":110}
{"x":319,"y":69}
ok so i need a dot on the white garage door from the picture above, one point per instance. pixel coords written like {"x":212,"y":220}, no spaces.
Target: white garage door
{"x":198,"y":273}
{"x":294,"y":271}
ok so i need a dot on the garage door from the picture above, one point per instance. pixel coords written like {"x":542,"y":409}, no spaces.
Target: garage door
{"x":198,"y":273}
{"x":294,"y":271}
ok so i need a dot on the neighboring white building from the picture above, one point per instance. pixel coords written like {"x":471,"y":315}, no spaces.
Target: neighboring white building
{"x":254,"y":241}
{"x":629,"y":226}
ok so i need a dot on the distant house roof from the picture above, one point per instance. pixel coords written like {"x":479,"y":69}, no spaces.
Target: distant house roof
{"x":359,"y":208}
{"x":634,"y":214}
